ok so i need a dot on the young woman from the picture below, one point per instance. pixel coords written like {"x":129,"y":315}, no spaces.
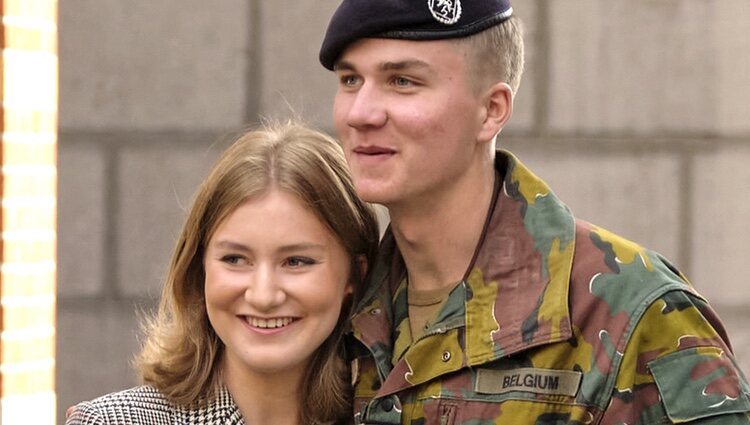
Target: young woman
{"x":269,"y":261}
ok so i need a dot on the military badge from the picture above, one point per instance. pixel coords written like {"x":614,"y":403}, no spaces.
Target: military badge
{"x":447,"y":12}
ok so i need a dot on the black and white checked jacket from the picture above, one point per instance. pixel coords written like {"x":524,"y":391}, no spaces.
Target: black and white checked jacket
{"x":145,"y":405}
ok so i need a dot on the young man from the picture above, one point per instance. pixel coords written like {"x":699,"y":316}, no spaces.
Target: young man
{"x":490,"y":303}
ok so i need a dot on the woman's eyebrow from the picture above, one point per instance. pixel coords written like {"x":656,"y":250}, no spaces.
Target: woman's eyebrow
{"x":227,"y":244}
{"x":301,"y":246}
{"x":304,"y":246}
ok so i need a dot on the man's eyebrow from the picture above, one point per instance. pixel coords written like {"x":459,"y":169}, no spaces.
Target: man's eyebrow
{"x":385,"y":66}
{"x":343,"y":66}
{"x":404,"y":64}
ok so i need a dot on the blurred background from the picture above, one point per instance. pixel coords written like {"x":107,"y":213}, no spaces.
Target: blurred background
{"x":636,"y":112}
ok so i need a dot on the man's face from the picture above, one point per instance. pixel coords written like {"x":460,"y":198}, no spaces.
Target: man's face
{"x":407,"y":118}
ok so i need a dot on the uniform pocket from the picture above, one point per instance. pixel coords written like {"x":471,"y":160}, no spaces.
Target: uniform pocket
{"x":698,"y":383}
{"x":505,"y":411}
{"x":516,"y":396}
{"x":447,"y":412}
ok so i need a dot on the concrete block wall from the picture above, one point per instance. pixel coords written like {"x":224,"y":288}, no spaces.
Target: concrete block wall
{"x":634,"y":111}
{"x":149,"y":95}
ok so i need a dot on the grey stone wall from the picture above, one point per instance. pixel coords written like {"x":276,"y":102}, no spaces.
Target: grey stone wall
{"x":635,"y":112}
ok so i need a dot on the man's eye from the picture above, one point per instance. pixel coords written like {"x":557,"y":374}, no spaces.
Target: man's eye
{"x":349,"y":80}
{"x":299,"y":261}
{"x":402,"y":82}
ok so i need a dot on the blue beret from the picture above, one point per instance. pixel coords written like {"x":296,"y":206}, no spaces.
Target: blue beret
{"x":408,"y":20}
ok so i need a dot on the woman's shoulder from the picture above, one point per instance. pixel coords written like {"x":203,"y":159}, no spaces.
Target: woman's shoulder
{"x":143,"y":404}
{"x":147,"y":405}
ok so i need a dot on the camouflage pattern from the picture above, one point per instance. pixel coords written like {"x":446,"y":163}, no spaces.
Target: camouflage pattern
{"x":557,"y":321}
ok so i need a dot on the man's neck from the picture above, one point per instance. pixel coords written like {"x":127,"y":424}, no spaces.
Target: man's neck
{"x":437,"y":238}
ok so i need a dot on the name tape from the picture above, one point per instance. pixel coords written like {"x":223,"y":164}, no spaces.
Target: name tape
{"x":538,"y":381}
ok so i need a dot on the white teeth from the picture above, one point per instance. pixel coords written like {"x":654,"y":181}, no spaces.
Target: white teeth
{"x":269,"y":323}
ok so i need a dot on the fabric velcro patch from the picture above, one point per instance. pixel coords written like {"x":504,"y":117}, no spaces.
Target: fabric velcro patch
{"x":698,"y":383}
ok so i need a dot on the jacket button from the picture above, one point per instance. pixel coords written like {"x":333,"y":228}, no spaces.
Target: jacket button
{"x":387,"y":404}
{"x":446,"y":356}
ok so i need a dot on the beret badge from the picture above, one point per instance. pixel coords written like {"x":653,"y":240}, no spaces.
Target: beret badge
{"x":447,"y":12}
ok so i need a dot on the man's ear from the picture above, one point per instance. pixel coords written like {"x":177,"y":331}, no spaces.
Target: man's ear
{"x":361,"y":262}
{"x":498,"y":107}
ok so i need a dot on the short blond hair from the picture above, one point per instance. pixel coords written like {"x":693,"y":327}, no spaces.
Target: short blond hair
{"x":496,"y":54}
{"x":181,"y":350}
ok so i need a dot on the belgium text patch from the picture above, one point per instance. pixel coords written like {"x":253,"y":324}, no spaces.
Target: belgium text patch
{"x":538,"y":381}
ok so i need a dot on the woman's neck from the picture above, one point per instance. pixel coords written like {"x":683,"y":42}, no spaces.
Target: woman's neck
{"x":272,"y":398}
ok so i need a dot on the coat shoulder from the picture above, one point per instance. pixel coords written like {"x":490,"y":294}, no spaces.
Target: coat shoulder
{"x":142,"y":404}
{"x":146,"y":405}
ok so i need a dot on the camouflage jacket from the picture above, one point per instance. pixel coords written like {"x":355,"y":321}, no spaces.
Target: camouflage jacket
{"x":556,"y":321}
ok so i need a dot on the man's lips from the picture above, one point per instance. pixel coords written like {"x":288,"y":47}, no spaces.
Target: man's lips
{"x":373,"y":150}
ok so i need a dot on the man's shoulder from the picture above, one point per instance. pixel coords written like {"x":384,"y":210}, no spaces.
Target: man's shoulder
{"x":622,"y":275}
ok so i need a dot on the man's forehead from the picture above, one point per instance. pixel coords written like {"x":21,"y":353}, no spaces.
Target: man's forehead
{"x":388,"y":54}
{"x":408,"y":20}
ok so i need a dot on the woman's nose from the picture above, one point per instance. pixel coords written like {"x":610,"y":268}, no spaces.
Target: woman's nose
{"x":263,"y":291}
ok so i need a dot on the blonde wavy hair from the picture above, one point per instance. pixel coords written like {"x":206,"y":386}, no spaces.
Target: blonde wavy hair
{"x":181,"y":350}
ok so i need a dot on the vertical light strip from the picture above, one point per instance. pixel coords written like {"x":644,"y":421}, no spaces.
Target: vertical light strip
{"x":29,"y":211}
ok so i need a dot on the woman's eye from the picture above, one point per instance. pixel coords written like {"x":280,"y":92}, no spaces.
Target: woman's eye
{"x":232,"y":259}
{"x":299,"y":261}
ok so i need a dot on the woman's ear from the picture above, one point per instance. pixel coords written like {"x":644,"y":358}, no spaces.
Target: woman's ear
{"x":498,"y":107}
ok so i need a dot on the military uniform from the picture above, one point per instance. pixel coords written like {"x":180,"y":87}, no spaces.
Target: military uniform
{"x":556,"y":321}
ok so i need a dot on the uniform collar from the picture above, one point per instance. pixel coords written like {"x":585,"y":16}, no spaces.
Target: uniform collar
{"x":514,"y":295}
{"x":517,"y":287}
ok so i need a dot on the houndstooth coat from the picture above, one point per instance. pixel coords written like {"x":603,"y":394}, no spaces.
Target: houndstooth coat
{"x":145,"y":405}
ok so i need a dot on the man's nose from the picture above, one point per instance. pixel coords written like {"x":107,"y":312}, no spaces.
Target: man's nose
{"x":264,"y":291}
{"x":367,"y":108}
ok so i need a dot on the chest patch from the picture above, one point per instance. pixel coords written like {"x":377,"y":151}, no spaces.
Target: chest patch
{"x":532,"y":380}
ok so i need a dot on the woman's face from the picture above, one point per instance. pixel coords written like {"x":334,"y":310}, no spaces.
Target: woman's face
{"x":276,"y":279}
